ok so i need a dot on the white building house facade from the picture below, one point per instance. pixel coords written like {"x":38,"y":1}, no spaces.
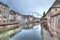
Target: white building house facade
{"x":4,"y":13}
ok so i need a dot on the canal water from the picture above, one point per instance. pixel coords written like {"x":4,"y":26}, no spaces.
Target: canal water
{"x":29,"y":34}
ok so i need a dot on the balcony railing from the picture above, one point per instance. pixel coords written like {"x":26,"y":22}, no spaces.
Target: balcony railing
{"x":55,"y":13}
{"x":9,"y":22}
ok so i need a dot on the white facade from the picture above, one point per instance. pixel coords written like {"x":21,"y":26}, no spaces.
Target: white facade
{"x":4,"y":13}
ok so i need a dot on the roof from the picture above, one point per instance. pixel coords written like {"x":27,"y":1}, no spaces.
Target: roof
{"x":56,"y":4}
{"x":4,"y":4}
{"x":18,"y":13}
{"x":12,"y":12}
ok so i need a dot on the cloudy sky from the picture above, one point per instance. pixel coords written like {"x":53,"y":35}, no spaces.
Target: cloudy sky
{"x":27,"y":7}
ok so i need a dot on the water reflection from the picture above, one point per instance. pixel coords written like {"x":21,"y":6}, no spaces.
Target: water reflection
{"x":29,"y":34}
{"x":29,"y":26}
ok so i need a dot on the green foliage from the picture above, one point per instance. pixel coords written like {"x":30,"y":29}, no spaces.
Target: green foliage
{"x":6,"y":30}
{"x":42,"y":18}
{"x":44,"y":14}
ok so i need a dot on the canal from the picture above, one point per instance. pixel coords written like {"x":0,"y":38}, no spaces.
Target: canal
{"x":33,"y":33}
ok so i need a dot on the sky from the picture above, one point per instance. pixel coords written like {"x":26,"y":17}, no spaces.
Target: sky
{"x":27,"y":7}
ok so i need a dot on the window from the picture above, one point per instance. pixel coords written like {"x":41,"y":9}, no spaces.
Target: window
{"x":55,"y":9}
{"x":0,"y":11}
{"x":4,"y":8}
{"x":4,"y":16}
{"x":4,"y":21}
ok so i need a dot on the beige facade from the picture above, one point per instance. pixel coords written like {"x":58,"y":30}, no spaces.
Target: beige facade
{"x":53,"y":19}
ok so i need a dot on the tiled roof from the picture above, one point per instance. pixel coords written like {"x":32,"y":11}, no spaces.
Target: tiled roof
{"x":56,"y":3}
{"x":4,"y":4}
{"x":14,"y":12}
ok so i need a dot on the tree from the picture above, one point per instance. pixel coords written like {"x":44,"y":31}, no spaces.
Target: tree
{"x":44,"y":14}
{"x":42,"y":18}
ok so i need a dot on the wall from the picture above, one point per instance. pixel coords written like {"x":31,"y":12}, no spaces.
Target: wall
{"x":55,"y":22}
{"x":4,"y":13}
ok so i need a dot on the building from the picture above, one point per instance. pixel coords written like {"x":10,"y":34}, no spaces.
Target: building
{"x":15,"y":16}
{"x":30,"y":18}
{"x":4,"y":13}
{"x":53,"y":19}
{"x":18,"y":17}
{"x":8,"y":15}
{"x":12,"y":16}
{"x":24,"y":18}
{"x":27,"y":18}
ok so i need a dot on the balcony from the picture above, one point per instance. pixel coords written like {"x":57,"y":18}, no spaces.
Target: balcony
{"x":6,"y":22}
